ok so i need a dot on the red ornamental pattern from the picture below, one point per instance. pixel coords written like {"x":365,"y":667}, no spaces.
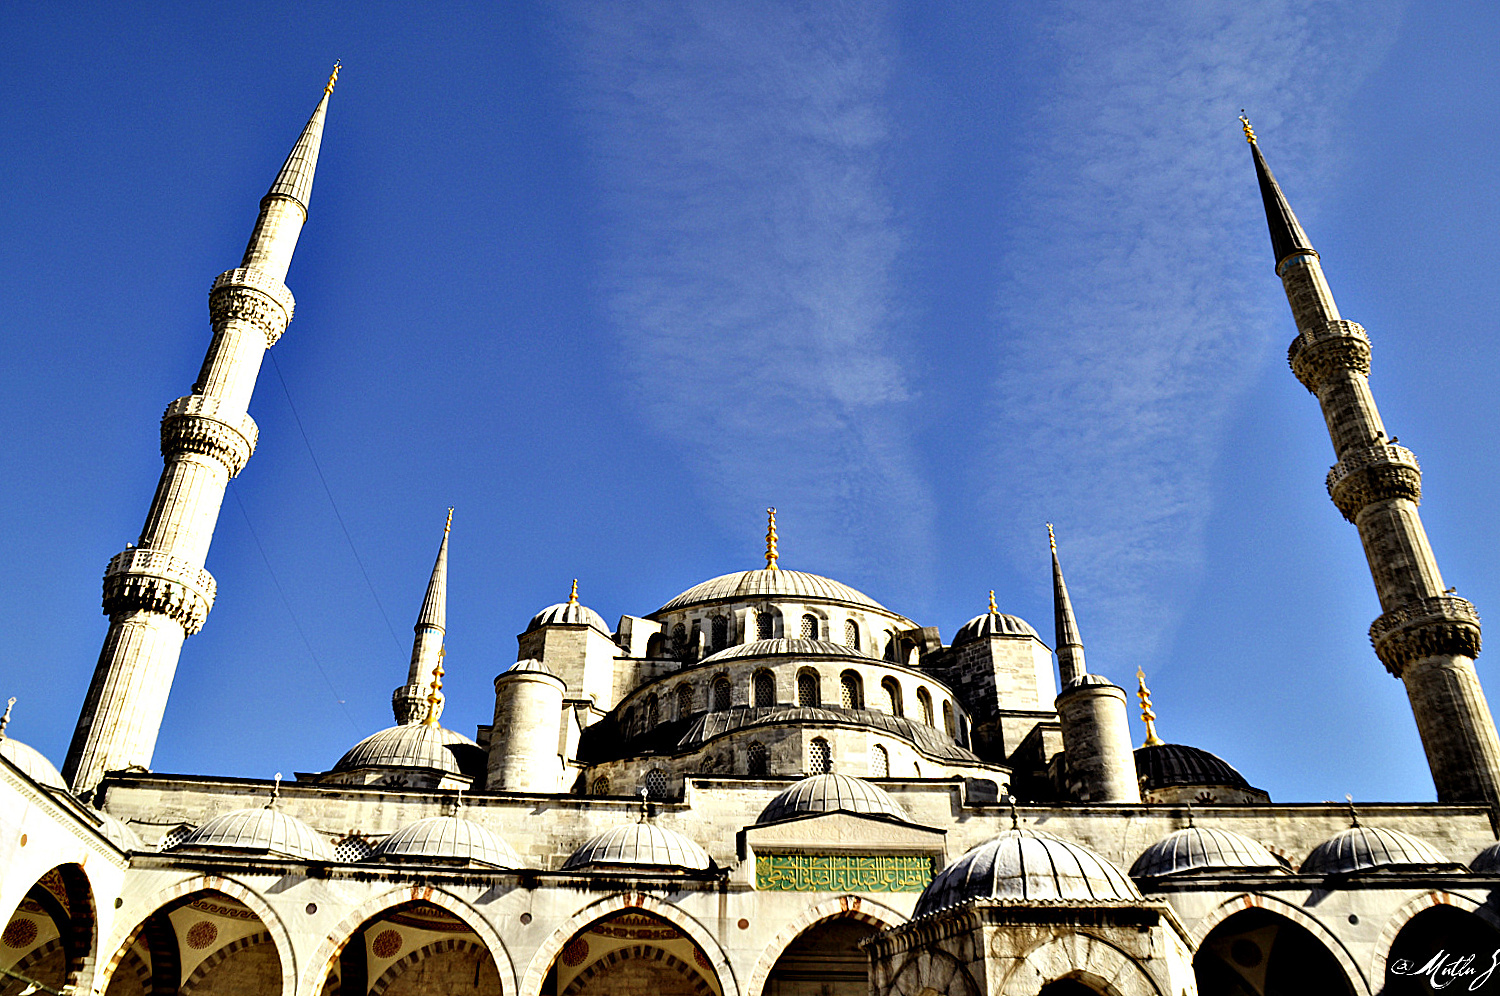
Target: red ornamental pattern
{"x":701,"y":958}
{"x":201,"y":934}
{"x":19,"y":933}
{"x":575,"y":952}
{"x":387,"y":943}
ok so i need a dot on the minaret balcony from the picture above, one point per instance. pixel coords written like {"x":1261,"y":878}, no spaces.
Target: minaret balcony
{"x":139,"y":580}
{"x":1374,"y":473}
{"x":248,"y":295}
{"x":1443,"y":625}
{"x":1321,"y":353}
{"x":199,"y":424}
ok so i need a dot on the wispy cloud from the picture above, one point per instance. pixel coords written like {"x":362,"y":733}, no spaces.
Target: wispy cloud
{"x":1127,"y":303}
{"x":750,"y":259}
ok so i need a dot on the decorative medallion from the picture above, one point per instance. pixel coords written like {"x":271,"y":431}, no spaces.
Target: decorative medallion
{"x":19,"y":933}
{"x":202,"y":934}
{"x":575,"y":952}
{"x":387,"y":944}
{"x":842,"y":872}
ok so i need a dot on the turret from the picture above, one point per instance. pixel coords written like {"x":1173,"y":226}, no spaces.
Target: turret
{"x":408,"y":702}
{"x":157,"y":593}
{"x":1099,"y":759}
{"x":1426,"y":636}
{"x":526,"y":751}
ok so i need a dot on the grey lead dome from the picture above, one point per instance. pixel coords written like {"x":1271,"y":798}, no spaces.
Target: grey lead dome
{"x":568,"y":614}
{"x":993,"y":624}
{"x":1026,"y":864}
{"x":447,"y":838}
{"x":640,"y":845}
{"x":831,"y":793}
{"x":1200,"y":848}
{"x":1362,"y":848}
{"x":262,"y":829}
{"x":764,"y":583}
{"x":415,"y":745}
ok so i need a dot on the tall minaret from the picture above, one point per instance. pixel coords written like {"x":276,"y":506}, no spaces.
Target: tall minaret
{"x":410,"y":701}
{"x":1426,"y":636}
{"x":157,"y":593}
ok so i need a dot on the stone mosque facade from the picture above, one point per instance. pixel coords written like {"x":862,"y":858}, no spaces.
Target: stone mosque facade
{"x":771,"y":785}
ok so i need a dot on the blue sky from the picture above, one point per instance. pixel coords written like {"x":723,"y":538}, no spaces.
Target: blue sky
{"x":610,"y":279}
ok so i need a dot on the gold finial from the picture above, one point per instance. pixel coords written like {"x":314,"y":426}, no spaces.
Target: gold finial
{"x":5,"y":719}
{"x":573,"y":595}
{"x":435,"y":697}
{"x":1353,"y":815}
{"x":449,"y":524}
{"x":332,"y":79}
{"x":1249,"y":131}
{"x":275,"y":792}
{"x":1051,"y":538}
{"x":1147,"y":715}
{"x":771,"y":555}
{"x":993,"y":609}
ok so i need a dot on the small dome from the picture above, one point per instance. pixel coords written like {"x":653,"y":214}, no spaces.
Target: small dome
{"x":119,"y":834}
{"x":447,"y":837}
{"x":749,"y":585}
{"x":993,"y":624}
{"x":1176,"y":764}
{"x":1487,"y":861}
{"x":415,"y":745}
{"x":262,"y":829}
{"x":786,"y":648}
{"x":568,"y":614}
{"x":1362,"y":848}
{"x":1026,"y":864}
{"x":640,"y":845}
{"x":1201,"y":848}
{"x":832,"y":793}
{"x":529,"y":665}
{"x":32,"y":763}
{"x":1089,"y":680}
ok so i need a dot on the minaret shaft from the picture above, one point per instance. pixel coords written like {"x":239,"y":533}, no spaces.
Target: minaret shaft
{"x":157,"y":592}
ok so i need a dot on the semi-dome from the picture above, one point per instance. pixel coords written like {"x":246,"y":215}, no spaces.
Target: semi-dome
{"x":786,"y":648}
{"x":1030,"y":865}
{"x":445,"y":838}
{"x":415,"y":745}
{"x":993,"y":624}
{"x":640,"y":845}
{"x":831,"y":793}
{"x":763,"y":583}
{"x":1487,"y":861}
{"x":568,"y":614}
{"x":263,"y":829}
{"x":1162,"y":765}
{"x":1361,"y":848}
{"x":31,"y":762}
{"x":1201,"y":848}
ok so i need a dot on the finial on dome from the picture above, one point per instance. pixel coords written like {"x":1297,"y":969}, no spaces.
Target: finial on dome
{"x":771,"y":555}
{"x":1015,"y":818}
{"x":993,"y":609}
{"x":1353,"y":815}
{"x":458,"y":802}
{"x":448,"y":526}
{"x":573,"y":595}
{"x":332,"y":79}
{"x":1051,"y":538}
{"x":275,"y":792}
{"x":645,"y":794}
{"x":1245,"y":123}
{"x":435,"y":697}
{"x":5,"y":719}
{"x":1190,"y":814}
{"x":1148,"y":716}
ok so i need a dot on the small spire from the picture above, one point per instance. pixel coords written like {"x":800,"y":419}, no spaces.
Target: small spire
{"x":10,"y":704}
{"x":275,"y":792}
{"x":332,"y":79}
{"x":1148,"y":716}
{"x":296,"y":177}
{"x":573,"y":595}
{"x":1249,"y":131}
{"x":771,"y":555}
{"x":1287,"y":236}
{"x":435,"y":697}
{"x":1069,"y":645}
{"x":1353,"y":814}
{"x":994,"y":610}
{"x":434,"y":614}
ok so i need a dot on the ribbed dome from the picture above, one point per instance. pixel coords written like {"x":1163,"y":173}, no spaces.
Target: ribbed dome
{"x":1026,"y":864}
{"x":119,"y":834}
{"x":832,"y":793}
{"x":447,"y":837}
{"x":529,"y":665}
{"x":1201,"y":848}
{"x":640,"y":845}
{"x":1362,"y":848}
{"x":786,"y":648}
{"x":744,"y":585}
{"x":262,"y":829}
{"x":415,"y":745}
{"x":1177,"y":764}
{"x":32,"y":763}
{"x":1487,"y":861}
{"x":568,"y":614}
{"x":993,"y":624}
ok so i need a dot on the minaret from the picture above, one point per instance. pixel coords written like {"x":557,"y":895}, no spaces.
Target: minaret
{"x":1097,"y":752}
{"x":157,"y":593}
{"x":409,"y":702}
{"x":1426,"y":636}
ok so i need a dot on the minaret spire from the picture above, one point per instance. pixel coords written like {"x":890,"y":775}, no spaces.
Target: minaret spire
{"x":1070,"y":663}
{"x":771,"y":555}
{"x":409,"y":702}
{"x":156,"y":593}
{"x":1426,"y":636}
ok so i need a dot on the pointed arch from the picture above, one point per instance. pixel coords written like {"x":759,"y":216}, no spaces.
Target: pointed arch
{"x":1088,"y":959}
{"x":853,"y":907}
{"x":1404,"y":914}
{"x":1271,"y":904}
{"x":546,"y":954}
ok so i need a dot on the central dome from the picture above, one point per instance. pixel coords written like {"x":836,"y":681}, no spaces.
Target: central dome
{"x":743,"y":585}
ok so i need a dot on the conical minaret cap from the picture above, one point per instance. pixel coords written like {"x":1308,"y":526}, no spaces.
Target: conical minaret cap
{"x":1287,"y":236}
{"x":296,"y":177}
{"x":435,"y":606}
{"x":1064,"y":622}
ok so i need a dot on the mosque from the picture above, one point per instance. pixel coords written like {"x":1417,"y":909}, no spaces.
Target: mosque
{"x":769,"y":785}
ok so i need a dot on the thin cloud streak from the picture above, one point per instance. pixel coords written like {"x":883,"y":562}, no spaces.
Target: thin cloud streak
{"x":1132,"y":312}
{"x":750,"y":262}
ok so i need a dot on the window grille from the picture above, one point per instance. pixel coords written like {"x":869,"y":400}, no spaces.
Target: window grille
{"x":764,"y":627}
{"x":759,"y":762}
{"x":851,"y":634}
{"x":892,"y":696}
{"x":809,"y":627}
{"x":807,"y":689}
{"x":684,"y":701}
{"x":924,"y":703}
{"x":174,"y":837}
{"x":653,"y":711}
{"x":880,"y":762}
{"x":819,"y":757}
{"x":765,"y":689}
{"x":679,"y":638}
{"x":720,"y":632}
{"x":849,"y":690}
{"x":352,"y":848}
{"x":600,"y":787}
{"x":721,"y":694}
{"x":948,"y":720}
{"x":656,"y":783}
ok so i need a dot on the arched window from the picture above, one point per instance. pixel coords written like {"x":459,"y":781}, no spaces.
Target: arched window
{"x":765,"y":689}
{"x":880,"y":762}
{"x":851,"y":692}
{"x":809,"y":627}
{"x":890,"y":647}
{"x":758,"y":759}
{"x":679,"y":638}
{"x":684,"y":701}
{"x":948,"y":720}
{"x":600,"y":787}
{"x":720,"y":632}
{"x":721,"y":693}
{"x":656,"y":783}
{"x":851,"y":634}
{"x":892,"y":689}
{"x":924,"y":705}
{"x":819,"y":757}
{"x":653,"y":711}
{"x":765,"y":626}
{"x":807,"y":689}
